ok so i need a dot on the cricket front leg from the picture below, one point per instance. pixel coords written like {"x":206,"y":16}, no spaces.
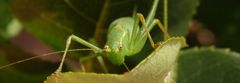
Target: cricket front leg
{"x":64,"y":55}
{"x":79,"y":40}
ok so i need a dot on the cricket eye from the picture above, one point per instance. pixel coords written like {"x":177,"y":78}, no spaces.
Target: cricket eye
{"x":120,"y":46}
{"x":106,"y":48}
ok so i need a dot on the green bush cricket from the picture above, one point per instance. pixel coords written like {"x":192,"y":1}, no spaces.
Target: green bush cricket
{"x":125,"y":36}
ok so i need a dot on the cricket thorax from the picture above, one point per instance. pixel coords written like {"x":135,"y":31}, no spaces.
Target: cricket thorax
{"x":120,"y":40}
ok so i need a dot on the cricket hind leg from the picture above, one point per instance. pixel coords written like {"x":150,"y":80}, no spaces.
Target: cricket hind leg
{"x":155,"y":22}
{"x":142,"y":20}
{"x":161,"y":27}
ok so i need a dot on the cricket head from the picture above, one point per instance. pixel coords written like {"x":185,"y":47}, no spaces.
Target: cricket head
{"x":115,"y":54}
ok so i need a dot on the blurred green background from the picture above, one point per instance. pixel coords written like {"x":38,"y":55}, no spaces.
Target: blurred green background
{"x":30,"y":28}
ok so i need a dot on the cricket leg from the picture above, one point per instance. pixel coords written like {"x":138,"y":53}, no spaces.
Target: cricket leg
{"x":79,"y":40}
{"x":161,"y":27}
{"x":64,"y":55}
{"x":142,"y":20}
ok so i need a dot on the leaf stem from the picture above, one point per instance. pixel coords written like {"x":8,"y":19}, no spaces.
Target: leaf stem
{"x":99,"y":33}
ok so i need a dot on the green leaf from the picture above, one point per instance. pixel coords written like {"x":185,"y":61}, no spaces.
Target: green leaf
{"x":208,"y":65}
{"x":180,"y":15}
{"x":80,"y":77}
{"x":153,"y":69}
{"x":158,"y":64}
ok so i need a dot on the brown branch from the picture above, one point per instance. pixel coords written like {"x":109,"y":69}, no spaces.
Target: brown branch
{"x":99,"y":31}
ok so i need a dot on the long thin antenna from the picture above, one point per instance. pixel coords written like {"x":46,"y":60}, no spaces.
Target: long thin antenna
{"x":165,"y":14}
{"x":102,"y":64}
{"x":80,"y":13}
{"x":51,"y":53}
{"x":134,"y":11}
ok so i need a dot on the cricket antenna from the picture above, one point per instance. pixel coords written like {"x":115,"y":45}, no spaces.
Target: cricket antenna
{"x":165,"y":14}
{"x":51,"y":53}
{"x":135,"y":10}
